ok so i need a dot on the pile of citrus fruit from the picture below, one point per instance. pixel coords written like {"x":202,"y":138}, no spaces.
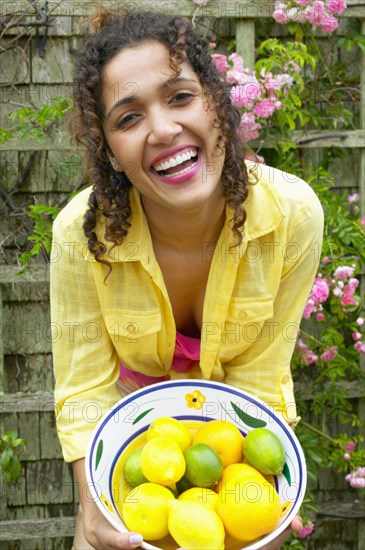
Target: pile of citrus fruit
{"x":199,"y":487}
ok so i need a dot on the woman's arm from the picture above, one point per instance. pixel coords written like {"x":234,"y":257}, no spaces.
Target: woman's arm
{"x":264,"y":367}
{"x":97,"y":530}
{"x":86,"y":365}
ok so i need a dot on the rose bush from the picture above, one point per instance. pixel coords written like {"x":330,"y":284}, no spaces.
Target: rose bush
{"x":276,"y":98}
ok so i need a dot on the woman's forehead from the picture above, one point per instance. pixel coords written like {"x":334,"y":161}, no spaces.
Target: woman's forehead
{"x":139,"y":66}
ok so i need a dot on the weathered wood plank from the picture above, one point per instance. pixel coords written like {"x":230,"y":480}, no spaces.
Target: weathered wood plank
{"x":23,"y":529}
{"x":36,"y":273}
{"x":313,"y":138}
{"x":342,"y":510}
{"x":49,"y":443}
{"x":49,"y":482}
{"x":28,"y":373}
{"x":27,"y":328}
{"x":214,"y":8}
{"x":20,"y":402}
{"x":245,"y":40}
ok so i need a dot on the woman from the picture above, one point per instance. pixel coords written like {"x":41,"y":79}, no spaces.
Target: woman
{"x":181,"y":261}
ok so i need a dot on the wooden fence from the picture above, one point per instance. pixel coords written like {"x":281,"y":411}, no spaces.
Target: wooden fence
{"x":37,"y":512}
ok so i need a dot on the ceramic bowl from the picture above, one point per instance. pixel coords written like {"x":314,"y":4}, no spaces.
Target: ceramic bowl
{"x":122,"y":430}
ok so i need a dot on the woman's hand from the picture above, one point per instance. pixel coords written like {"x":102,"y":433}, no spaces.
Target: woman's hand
{"x":296,"y":525}
{"x":101,"y":535}
{"x":97,"y":531}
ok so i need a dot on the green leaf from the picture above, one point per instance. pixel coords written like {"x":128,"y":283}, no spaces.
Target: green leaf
{"x":140,"y":416}
{"x":286,"y":474}
{"x":248,"y":419}
{"x":6,"y":457}
{"x":99,"y":453}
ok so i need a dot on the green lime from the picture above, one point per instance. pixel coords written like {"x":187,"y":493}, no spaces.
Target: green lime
{"x":183,"y":485}
{"x":263,"y":450}
{"x":132,"y":469}
{"x":203,"y":465}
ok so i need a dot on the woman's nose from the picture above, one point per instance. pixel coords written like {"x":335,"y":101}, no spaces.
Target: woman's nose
{"x":163,"y":127}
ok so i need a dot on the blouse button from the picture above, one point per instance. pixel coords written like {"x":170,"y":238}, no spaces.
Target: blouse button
{"x":285,"y":378}
{"x":242,"y":315}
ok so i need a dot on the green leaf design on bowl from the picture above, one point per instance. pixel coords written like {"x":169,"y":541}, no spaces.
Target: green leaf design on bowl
{"x":286,"y":474}
{"x":248,"y":419}
{"x":99,"y":452}
{"x":142,"y":415}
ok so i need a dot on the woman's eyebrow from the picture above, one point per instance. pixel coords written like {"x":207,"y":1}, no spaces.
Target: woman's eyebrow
{"x":134,"y":97}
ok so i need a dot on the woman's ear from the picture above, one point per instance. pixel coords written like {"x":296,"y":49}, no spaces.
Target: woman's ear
{"x":115,"y":164}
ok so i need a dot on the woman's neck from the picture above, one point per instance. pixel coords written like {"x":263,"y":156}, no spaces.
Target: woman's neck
{"x":185,"y":231}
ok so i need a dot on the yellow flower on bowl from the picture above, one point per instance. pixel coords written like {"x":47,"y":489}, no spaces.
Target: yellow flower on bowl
{"x":195,"y":400}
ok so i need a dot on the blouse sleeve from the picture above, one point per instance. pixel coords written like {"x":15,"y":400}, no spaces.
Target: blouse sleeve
{"x":85,"y":361}
{"x":264,"y":368}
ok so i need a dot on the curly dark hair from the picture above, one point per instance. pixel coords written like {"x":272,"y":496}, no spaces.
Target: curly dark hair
{"x":113,"y":31}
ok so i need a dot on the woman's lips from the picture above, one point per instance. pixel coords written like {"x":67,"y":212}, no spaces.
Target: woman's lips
{"x":181,"y":176}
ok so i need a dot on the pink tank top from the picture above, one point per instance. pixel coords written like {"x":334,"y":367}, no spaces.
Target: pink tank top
{"x":187,"y":352}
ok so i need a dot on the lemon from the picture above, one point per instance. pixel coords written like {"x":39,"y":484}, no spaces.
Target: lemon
{"x":264,"y":451}
{"x":162,"y":461}
{"x":144,"y":510}
{"x":195,"y":526}
{"x":249,"y":509}
{"x":203,"y":465}
{"x":172,"y":428}
{"x":201,"y":494}
{"x":224,"y":437}
{"x":132,"y":469}
{"x":240,"y":473}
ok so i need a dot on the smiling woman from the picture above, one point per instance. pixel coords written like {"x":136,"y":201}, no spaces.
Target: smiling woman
{"x":187,"y":261}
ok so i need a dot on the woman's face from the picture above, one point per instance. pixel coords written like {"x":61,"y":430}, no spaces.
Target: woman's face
{"x":160,"y":129}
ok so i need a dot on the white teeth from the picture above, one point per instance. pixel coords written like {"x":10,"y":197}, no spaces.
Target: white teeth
{"x":175,"y":161}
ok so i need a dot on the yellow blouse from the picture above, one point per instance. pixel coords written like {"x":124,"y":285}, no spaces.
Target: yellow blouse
{"x":254,"y":300}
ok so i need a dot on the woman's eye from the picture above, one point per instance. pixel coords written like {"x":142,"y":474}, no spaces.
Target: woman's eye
{"x":124,"y":121}
{"x":182,"y":96}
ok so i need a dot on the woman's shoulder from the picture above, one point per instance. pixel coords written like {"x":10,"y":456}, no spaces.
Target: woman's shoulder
{"x":290,"y":190}
{"x":72,"y":215}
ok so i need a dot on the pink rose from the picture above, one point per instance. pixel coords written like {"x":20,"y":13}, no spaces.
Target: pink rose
{"x":309,"y":308}
{"x":234,"y":76}
{"x":249,"y":128}
{"x":343,"y":272}
{"x":329,"y":354}
{"x":359,"y":321}
{"x":310,"y":357}
{"x":360,"y":347}
{"x":350,"y":446}
{"x":335,"y":6}
{"x":348,"y":300}
{"x":346,"y":456}
{"x":353,"y":198}
{"x":280,"y":16}
{"x":237,"y":61}
{"x":220,"y":62}
{"x":357,"y":482}
{"x":306,"y":531}
{"x":351,"y":286}
{"x":320,"y":290}
{"x":337,"y":292}
{"x":326,"y":260}
{"x":356,"y":336}
{"x":329,"y":23}
{"x":264,"y":109}
{"x":319,"y":317}
{"x":362,"y":220}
